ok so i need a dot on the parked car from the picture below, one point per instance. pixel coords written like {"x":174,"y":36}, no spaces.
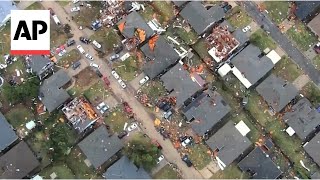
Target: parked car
{"x":246,"y":29}
{"x":75,"y":9}
{"x":227,"y":8}
{"x":75,"y":65}
{"x":103,"y":107}
{"x":118,"y":49}
{"x":122,"y":134}
{"x":51,"y":11}
{"x":85,"y":40}
{"x":99,"y":73}
{"x":114,"y":57}
{"x":81,"y":50}
{"x":186,"y":159}
{"x":75,"y":1}
{"x":122,"y":84}
{"x":166,"y":107}
{"x":106,"y":81}
{"x":96,"y":44}
{"x":70,"y":42}
{"x":182,"y":138}
{"x":115,"y":74}
{"x":144,"y":80}
{"x":160,"y":158}
{"x":132,"y":127}
{"x":94,"y":65}
{"x":187,"y":141}
{"x":88,"y":56}
{"x":164,"y":133}
{"x":317,"y":48}
{"x":167,"y":115}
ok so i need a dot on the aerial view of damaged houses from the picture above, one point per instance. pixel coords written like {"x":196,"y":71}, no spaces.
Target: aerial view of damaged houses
{"x":161,"y":90}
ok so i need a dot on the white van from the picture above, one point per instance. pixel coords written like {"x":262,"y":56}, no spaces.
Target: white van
{"x":80,"y":48}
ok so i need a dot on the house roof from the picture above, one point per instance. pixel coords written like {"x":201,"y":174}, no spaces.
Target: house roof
{"x":51,"y":93}
{"x":181,"y":82}
{"x":125,"y":169}
{"x":306,"y":8}
{"x":199,"y":17}
{"x":134,"y":21}
{"x":40,"y":64}
{"x":250,"y":65}
{"x":7,"y":136}
{"x":315,"y":175}
{"x":179,"y":3}
{"x":314,"y":25}
{"x":230,"y":143}
{"x":5,"y":11}
{"x":99,"y":146}
{"x":162,"y":57}
{"x":303,"y":118}
{"x":277,"y":92}
{"x":207,"y":109}
{"x":260,"y":165}
{"x":240,"y":36}
{"x":18,"y":162}
{"x":312,"y":148}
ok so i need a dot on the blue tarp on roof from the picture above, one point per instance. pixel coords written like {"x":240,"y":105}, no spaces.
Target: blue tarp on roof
{"x":5,"y":8}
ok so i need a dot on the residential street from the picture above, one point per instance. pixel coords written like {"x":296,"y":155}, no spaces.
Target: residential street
{"x":299,"y":58}
{"x":143,"y":116}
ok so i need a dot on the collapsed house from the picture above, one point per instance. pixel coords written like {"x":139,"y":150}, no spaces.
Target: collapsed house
{"x":302,"y":118}
{"x":160,"y":56}
{"x":42,"y":66}
{"x":277,"y":92}
{"x":7,"y":136}
{"x":181,"y":84}
{"x":80,"y":114}
{"x":312,"y":148}
{"x":51,"y":93}
{"x":205,"y":112}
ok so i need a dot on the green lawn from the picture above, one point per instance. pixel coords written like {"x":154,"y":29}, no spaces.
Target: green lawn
{"x":61,"y":170}
{"x":86,"y":16}
{"x":154,"y":90}
{"x":19,"y":116}
{"x":107,"y":37}
{"x":11,"y":70}
{"x":57,"y":35}
{"x":165,"y":9}
{"x":278,"y":10}
{"x":68,"y":59}
{"x":188,"y":37}
{"x":303,"y":38}
{"x":201,"y":48}
{"x":149,"y":13}
{"x":116,"y":119}
{"x":231,"y":172}
{"x":316,"y":62}
{"x":254,"y":133}
{"x":287,"y":70}
{"x":199,"y":156}
{"x":35,"y":6}
{"x":96,"y":93}
{"x":238,"y":18}
{"x":127,"y":69}
{"x":63,"y":3}
{"x":5,"y":41}
{"x":261,"y":39}
{"x":167,"y":172}
{"x":312,"y":92}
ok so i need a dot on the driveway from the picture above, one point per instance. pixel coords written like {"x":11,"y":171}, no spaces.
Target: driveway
{"x":298,"y":57}
{"x":142,"y":115}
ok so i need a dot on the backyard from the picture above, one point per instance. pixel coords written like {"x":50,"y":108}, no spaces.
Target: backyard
{"x":127,"y":69}
{"x":167,"y":172}
{"x":107,"y":37}
{"x":238,"y":18}
{"x":312,"y":92}
{"x":278,"y":10}
{"x":316,"y":62}
{"x":68,"y":59}
{"x":19,"y":116}
{"x":57,"y":35}
{"x":116,"y":119}
{"x":199,"y":154}
{"x":231,"y":172}
{"x":261,"y":39}
{"x":60,"y":169}
{"x":165,"y":9}
{"x":201,"y":48}
{"x":287,"y":70}
{"x":5,"y":41}
{"x":86,"y":16}
{"x":96,"y":93}
{"x":154,"y":90}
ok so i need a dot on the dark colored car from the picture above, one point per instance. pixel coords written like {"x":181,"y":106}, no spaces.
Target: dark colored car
{"x":164,"y":133}
{"x":70,"y":42}
{"x":51,"y":11}
{"x":85,"y":40}
{"x":118,"y":49}
{"x":166,"y":107}
{"x":99,"y":73}
{"x":122,"y":134}
{"x":75,"y":65}
{"x":182,"y":138}
{"x":186,"y":159}
{"x":317,"y":48}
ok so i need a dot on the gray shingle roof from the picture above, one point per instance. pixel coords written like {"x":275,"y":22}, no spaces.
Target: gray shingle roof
{"x":160,"y":59}
{"x":7,"y":136}
{"x":5,"y":10}
{"x":312,"y":148}
{"x":315,"y":175}
{"x":125,"y":169}
{"x":179,"y":80}
{"x":277,"y":92}
{"x":39,"y":64}
{"x":207,"y":110}
{"x":199,"y":17}
{"x":303,"y":118}
{"x":179,"y":3}
{"x":240,"y":36}
{"x":306,"y":8}
{"x":260,"y":165}
{"x":18,"y":162}
{"x":230,"y":142}
{"x":252,"y":67}
{"x":51,"y":93}
{"x":99,"y":146}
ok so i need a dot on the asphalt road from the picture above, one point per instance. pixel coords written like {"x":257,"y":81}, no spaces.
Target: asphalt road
{"x":261,"y":19}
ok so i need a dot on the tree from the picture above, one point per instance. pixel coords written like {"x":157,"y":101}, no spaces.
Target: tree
{"x":142,"y":153}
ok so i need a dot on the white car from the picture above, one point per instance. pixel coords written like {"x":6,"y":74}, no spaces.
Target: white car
{"x":246,"y":29}
{"x":115,"y":74}
{"x":102,"y":107}
{"x":88,"y":56}
{"x":144,"y":80}
{"x":75,"y":1}
{"x":62,"y":52}
{"x":80,"y":48}
{"x":186,"y":142}
{"x":75,"y":9}
{"x":132,"y":127}
{"x":122,"y":84}
{"x":96,"y":44}
{"x":160,"y":159}
{"x":94,"y":65}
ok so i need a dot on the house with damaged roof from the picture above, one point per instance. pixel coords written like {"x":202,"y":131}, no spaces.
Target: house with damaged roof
{"x":229,"y":143}
{"x":302,"y":118}
{"x":7,"y":134}
{"x":41,"y":65}
{"x":18,"y":162}
{"x":100,"y":147}
{"x":312,"y":148}
{"x":277,"y":92}
{"x":135,"y":30}
{"x":51,"y":92}
{"x":125,"y":169}
{"x":259,"y":165}
{"x":159,"y":55}
{"x":205,"y":112}
{"x":181,"y":84}
{"x":200,"y":18}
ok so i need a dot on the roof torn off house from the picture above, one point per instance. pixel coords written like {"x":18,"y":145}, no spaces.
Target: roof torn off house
{"x":80,"y":114}
{"x":113,"y":12}
{"x":222,"y":42}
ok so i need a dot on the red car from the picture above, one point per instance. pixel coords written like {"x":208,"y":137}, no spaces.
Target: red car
{"x":106,"y":81}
